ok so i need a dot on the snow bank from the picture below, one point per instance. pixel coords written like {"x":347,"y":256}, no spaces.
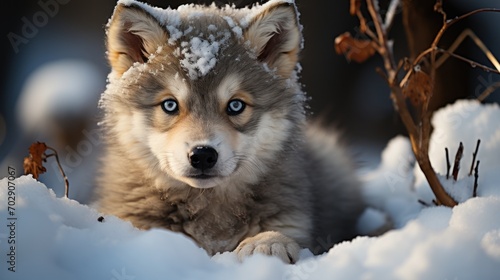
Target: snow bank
{"x":57,"y":238}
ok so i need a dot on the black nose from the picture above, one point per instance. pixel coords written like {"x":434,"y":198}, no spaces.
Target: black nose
{"x":203,"y":157}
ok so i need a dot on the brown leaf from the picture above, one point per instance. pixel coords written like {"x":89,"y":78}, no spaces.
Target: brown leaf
{"x":355,"y":6}
{"x":354,"y":49}
{"x":33,"y":164}
{"x":418,"y":88}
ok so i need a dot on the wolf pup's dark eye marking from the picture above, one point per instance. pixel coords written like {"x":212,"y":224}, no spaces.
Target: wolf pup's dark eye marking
{"x":170,"y":106}
{"x":235,"y":107}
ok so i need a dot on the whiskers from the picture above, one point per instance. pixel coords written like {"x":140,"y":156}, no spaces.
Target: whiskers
{"x":169,"y":162}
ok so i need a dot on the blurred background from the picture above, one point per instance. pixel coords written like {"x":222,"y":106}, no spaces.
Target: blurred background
{"x":54,"y":69}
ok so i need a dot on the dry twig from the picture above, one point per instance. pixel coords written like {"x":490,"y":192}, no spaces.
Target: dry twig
{"x":456,"y":164}
{"x":416,"y":84}
{"x":474,"y":154}
{"x":33,"y":164}
{"x":476,"y":177}
{"x":448,"y":165}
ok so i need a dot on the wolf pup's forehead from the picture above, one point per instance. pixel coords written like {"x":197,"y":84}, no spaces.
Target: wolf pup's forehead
{"x":196,"y":35}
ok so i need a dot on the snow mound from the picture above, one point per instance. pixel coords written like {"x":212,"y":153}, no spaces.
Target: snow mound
{"x":58,"y":238}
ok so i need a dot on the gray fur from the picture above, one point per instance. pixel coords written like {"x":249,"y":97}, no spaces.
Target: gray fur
{"x":304,"y":186}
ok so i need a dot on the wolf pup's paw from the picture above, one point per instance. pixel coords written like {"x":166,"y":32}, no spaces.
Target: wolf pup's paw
{"x":270,"y":243}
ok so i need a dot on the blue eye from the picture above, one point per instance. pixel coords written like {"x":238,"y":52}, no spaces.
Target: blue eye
{"x":170,"y":106}
{"x":235,"y":107}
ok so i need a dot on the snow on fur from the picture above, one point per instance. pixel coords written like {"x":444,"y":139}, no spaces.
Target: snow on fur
{"x":58,"y":238}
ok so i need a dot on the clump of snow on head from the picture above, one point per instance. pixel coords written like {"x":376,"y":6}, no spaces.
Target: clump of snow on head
{"x":200,"y":55}
{"x":234,"y":27}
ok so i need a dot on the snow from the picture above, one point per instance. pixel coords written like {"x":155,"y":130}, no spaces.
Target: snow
{"x":58,"y":238}
{"x":371,"y":220}
{"x":234,"y":27}
{"x":389,"y":187}
{"x":200,"y":55}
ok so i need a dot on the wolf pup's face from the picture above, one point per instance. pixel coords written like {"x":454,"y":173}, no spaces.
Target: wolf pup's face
{"x":200,"y":94}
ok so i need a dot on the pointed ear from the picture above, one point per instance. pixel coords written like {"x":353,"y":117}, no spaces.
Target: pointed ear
{"x":132,"y":36}
{"x":275,"y":35}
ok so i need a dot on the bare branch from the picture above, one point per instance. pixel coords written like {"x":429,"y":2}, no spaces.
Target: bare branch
{"x":448,"y":165}
{"x":463,"y":35}
{"x":476,"y":177}
{"x":66,"y":181}
{"x":416,"y":62}
{"x":472,"y":63}
{"x":438,"y":7}
{"x":406,"y":118}
{"x":364,"y":28}
{"x":431,"y":50}
{"x":474,"y":154}
{"x":389,"y":62}
{"x":456,"y":165}
{"x":449,"y":23}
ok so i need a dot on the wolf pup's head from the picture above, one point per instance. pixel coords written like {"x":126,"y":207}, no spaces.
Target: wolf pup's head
{"x":203,"y":95}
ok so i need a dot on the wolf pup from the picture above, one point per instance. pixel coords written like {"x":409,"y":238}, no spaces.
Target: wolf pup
{"x":206,"y":133}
